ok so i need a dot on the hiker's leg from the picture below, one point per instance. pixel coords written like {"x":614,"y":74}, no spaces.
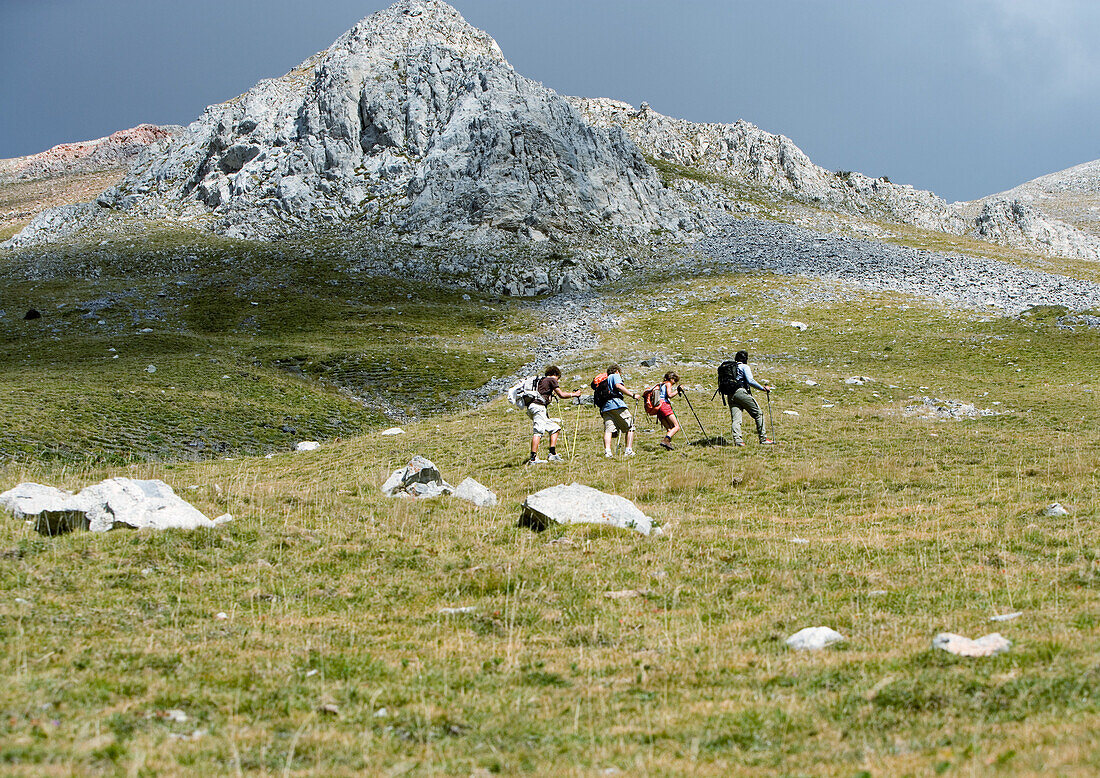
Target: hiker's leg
{"x":673,"y":426}
{"x":758,"y":416}
{"x":608,"y":431}
{"x":535,"y":443}
{"x":554,"y":439}
{"x":735,"y":423}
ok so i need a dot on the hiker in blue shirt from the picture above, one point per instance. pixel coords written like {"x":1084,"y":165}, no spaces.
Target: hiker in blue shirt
{"x":742,"y":400}
{"x":616,"y":416}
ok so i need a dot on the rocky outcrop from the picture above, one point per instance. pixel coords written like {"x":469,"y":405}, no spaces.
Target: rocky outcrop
{"x":743,"y":152}
{"x":1071,"y":196}
{"x":119,"y":149}
{"x":1015,"y":223}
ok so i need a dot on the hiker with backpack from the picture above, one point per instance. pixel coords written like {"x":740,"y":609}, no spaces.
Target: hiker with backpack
{"x":608,"y":398}
{"x":735,"y":383}
{"x":537,"y":404}
{"x":659,"y":399}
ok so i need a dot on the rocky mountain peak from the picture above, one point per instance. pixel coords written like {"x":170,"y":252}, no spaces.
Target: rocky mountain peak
{"x":412,"y":23}
{"x":411,"y":125}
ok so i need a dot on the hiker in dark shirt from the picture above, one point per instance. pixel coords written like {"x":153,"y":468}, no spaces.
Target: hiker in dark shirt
{"x":742,"y":400}
{"x":541,"y":424}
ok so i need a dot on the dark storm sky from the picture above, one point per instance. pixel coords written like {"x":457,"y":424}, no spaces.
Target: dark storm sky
{"x":964,"y":97}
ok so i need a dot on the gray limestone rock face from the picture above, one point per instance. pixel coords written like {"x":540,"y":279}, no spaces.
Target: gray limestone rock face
{"x":413,"y":124}
{"x":579,"y":504}
{"x":1013,"y":222}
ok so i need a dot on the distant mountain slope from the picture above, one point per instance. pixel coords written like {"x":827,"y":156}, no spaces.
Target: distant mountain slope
{"x":743,"y":152}
{"x":70,"y":173}
{"x":119,"y":149}
{"x":1071,"y":195}
{"x":413,"y":127}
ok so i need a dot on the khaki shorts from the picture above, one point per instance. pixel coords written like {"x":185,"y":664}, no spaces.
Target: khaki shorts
{"x":540,"y":422}
{"x":617,"y":420}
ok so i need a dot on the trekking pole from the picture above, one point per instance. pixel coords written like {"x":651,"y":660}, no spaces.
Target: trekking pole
{"x":706,"y":437}
{"x":771,"y":421}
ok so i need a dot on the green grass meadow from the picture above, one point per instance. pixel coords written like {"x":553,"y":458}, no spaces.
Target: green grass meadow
{"x":334,"y":657}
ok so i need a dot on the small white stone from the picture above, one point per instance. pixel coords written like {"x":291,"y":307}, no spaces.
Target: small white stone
{"x":1055,"y":509}
{"x":307,"y":445}
{"x":791,"y":413}
{"x":814,"y":638}
{"x":801,"y":326}
{"x":987,"y":645}
{"x":221,"y":615}
{"x":811,"y":382}
{"x":454,"y":611}
{"x":151,"y":369}
{"x":1007,"y":616}
{"x":392,"y":431}
{"x":800,"y":541}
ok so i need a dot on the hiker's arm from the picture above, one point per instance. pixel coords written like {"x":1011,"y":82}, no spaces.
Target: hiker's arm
{"x":753,"y":382}
{"x":625,"y":390}
{"x":566,"y":395}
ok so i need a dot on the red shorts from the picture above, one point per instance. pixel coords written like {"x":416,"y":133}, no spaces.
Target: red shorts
{"x":664,"y":410}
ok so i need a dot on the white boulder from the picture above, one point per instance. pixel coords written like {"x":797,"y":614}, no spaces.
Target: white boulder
{"x":814,"y":638}
{"x":116,"y":502}
{"x":307,"y":445}
{"x":392,"y":431}
{"x":52,"y":510}
{"x":1055,"y":509}
{"x":579,"y":504}
{"x":128,"y":502}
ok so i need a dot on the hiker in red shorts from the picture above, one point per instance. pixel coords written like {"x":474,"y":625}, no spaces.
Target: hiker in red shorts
{"x":669,"y":388}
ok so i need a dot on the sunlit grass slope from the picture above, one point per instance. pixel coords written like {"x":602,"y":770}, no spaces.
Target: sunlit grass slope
{"x":334,"y":657}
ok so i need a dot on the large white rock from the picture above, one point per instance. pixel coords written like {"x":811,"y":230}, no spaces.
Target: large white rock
{"x":116,"y":502}
{"x":472,"y":491}
{"x":579,"y":504}
{"x":140,"y":504}
{"x":814,"y":638}
{"x":987,"y":645}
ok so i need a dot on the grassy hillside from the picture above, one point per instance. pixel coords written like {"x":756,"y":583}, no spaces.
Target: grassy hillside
{"x":334,"y":657}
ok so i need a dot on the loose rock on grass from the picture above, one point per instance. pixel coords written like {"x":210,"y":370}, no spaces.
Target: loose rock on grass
{"x":987,"y":645}
{"x":116,"y":502}
{"x":814,"y":638}
{"x":579,"y":504}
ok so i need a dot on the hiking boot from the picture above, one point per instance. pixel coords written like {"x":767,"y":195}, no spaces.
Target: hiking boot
{"x":554,"y":458}
{"x":666,"y":444}
{"x":628,"y":453}
{"x":767,"y":442}
{"x":739,"y":443}
{"x":607,"y":453}
{"x":536,"y":461}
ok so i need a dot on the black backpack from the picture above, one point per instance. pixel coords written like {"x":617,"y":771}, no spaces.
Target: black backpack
{"x":727,"y":378}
